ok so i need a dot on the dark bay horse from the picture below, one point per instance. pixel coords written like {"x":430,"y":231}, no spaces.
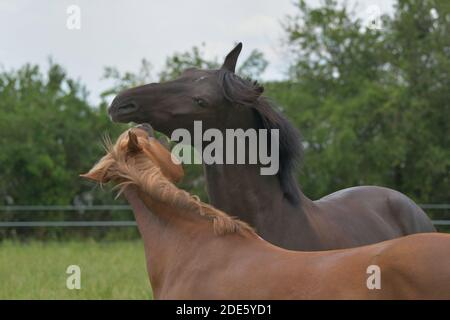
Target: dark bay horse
{"x":273,"y":205}
{"x":194,"y":251}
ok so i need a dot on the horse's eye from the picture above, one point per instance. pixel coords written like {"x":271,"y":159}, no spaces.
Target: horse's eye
{"x":201,"y":102}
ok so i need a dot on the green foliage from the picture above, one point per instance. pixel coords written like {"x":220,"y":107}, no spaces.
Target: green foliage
{"x":127,"y":79}
{"x":252,"y":67}
{"x":373,"y":105}
{"x":48,"y":136}
{"x":176,"y":63}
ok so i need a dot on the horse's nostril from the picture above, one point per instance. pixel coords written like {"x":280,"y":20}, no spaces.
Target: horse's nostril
{"x":127,"y":108}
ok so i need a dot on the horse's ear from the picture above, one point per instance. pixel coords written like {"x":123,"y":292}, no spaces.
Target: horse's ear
{"x":231,"y":58}
{"x":95,"y":175}
{"x":133,"y":143}
{"x":99,"y":173}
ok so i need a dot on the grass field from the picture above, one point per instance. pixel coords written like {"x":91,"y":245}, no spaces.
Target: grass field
{"x":37,"y":270}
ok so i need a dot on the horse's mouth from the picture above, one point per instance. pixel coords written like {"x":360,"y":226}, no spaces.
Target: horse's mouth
{"x":123,"y":112}
{"x":147,"y":128}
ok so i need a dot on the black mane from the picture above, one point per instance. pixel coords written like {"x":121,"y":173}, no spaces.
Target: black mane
{"x":245,"y":92}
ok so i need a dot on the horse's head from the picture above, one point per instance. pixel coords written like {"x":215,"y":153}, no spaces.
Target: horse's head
{"x":137,"y":147}
{"x":137,"y":158}
{"x":204,"y":95}
{"x":221,"y":100}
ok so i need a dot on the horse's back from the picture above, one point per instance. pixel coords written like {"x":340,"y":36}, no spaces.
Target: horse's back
{"x":382,"y":212}
{"x":418,"y":266}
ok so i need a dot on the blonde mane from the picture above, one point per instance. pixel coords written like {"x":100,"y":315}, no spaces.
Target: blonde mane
{"x":140,"y":171}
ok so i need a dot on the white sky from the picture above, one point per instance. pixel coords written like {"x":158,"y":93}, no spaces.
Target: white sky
{"x":122,"y":32}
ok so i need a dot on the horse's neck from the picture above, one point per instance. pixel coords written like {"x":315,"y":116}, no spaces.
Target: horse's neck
{"x":240,"y":190}
{"x":172,"y":236}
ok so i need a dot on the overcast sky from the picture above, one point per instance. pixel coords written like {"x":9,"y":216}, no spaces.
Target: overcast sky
{"x":122,"y":32}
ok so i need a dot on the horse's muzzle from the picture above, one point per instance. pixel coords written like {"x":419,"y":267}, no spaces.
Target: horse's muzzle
{"x":147,"y":128}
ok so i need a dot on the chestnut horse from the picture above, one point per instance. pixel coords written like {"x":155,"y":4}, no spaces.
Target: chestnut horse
{"x":195,"y":251}
{"x":273,"y":205}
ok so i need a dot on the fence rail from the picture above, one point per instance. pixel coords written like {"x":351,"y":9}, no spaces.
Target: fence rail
{"x":115,"y":223}
{"x":435,"y":206}
{"x":64,"y":208}
{"x":32,"y":224}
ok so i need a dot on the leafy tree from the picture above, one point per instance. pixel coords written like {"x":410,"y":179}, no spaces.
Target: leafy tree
{"x":373,"y":105}
{"x":127,"y":79}
{"x":179,"y":61}
{"x":252,"y":67}
{"x":45,"y":125}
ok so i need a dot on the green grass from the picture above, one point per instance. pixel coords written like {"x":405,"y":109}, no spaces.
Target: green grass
{"x":37,"y":270}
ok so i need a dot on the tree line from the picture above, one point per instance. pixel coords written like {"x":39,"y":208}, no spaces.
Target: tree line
{"x":372,"y":105}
